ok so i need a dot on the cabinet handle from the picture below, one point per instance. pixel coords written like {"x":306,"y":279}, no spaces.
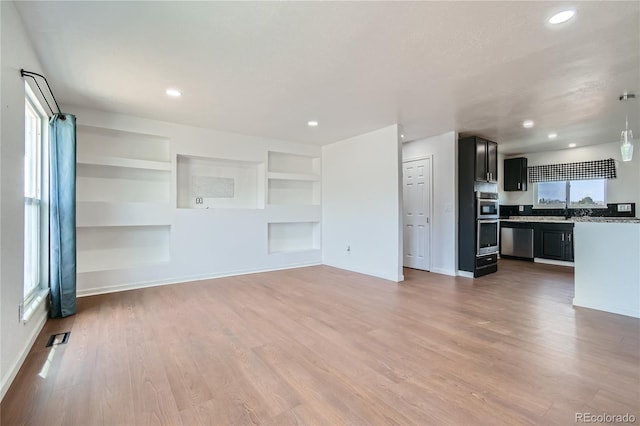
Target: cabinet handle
{"x":518,"y":185}
{"x":569,"y":237}
{"x":562,"y":237}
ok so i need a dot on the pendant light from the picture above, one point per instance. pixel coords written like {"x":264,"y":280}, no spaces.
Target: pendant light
{"x":626,"y":149}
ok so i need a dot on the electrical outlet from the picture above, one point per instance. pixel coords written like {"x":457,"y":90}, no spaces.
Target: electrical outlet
{"x":520,"y":208}
{"x":349,"y":249}
{"x":624,"y":207}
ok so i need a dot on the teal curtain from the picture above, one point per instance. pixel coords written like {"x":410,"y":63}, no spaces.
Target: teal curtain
{"x":62,"y":215}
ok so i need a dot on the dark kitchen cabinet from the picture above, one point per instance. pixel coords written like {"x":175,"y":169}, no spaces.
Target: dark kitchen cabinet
{"x":477,"y":163}
{"x":555,"y":241}
{"x":486,"y":159}
{"x":515,"y":174}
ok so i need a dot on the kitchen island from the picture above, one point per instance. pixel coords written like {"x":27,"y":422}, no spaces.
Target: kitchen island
{"x":607,"y":265}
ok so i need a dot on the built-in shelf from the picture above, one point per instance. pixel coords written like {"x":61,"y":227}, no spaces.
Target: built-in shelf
{"x":282,"y":162}
{"x":287,"y":237}
{"x":100,"y":213}
{"x":121,"y":185}
{"x":98,"y":160}
{"x":121,"y":247}
{"x":94,"y":143}
{"x":293,"y":192}
{"x":205,"y":183}
{"x":293,"y":179}
{"x":294,"y":176}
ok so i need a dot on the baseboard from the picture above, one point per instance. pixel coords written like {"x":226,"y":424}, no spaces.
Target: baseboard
{"x":552,"y":262}
{"x":617,"y":310}
{"x":465,"y":274}
{"x":443,"y":271}
{"x":13,"y":371}
{"x":395,"y":278}
{"x":177,"y":280}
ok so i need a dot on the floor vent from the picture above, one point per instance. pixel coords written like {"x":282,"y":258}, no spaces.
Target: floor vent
{"x":58,"y":339}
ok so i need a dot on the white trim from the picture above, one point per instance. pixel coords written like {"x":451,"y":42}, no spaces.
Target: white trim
{"x":617,"y":310}
{"x":395,"y":279}
{"x":443,"y":271}
{"x":552,"y":262}
{"x":465,"y":274}
{"x":180,"y":280}
{"x":7,"y":380}
{"x":33,"y":304}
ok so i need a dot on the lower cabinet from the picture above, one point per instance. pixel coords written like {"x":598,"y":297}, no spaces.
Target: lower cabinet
{"x":555,"y":241}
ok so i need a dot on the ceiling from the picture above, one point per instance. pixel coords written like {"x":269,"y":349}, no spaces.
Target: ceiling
{"x":266,"y":68}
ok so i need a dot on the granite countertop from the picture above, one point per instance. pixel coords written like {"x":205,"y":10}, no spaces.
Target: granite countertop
{"x":606,"y":219}
{"x":561,"y":219}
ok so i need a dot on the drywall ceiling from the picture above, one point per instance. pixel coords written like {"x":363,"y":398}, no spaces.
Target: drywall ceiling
{"x":266,"y":68}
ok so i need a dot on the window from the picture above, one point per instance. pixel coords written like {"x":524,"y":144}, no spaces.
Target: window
{"x":571,"y":193}
{"x":35,"y":226}
{"x":551,"y":194}
{"x":588,"y":193}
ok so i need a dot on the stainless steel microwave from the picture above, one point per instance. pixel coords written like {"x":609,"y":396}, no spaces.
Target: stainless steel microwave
{"x":487,"y":205}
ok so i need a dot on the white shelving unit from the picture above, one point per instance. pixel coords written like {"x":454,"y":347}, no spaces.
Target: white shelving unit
{"x":205,"y":183}
{"x":286,"y":237}
{"x":102,"y":248}
{"x":122,"y":199}
{"x":294,"y":202}
{"x":293,"y":179}
{"x":133,"y":163}
{"x":99,"y":213}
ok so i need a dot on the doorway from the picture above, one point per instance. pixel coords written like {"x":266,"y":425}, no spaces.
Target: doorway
{"x":416,"y":184}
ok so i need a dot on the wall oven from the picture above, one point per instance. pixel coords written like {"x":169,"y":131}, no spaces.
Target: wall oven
{"x":487,"y":238}
{"x":487,"y":205}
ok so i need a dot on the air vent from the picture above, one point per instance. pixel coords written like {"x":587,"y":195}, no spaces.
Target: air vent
{"x":58,"y":339}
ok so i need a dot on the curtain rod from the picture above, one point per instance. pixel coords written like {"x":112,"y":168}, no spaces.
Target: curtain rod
{"x":33,"y":75}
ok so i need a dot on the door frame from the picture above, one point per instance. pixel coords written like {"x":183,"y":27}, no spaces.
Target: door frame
{"x":406,"y":160}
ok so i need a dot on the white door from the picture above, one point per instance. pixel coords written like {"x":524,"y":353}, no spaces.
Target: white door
{"x":416,"y":180}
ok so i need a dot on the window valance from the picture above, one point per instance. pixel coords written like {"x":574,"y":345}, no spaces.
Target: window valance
{"x":598,"y":169}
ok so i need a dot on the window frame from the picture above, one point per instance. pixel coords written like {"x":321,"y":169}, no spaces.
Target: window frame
{"x":36,"y":294}
{"x":567,"y":204}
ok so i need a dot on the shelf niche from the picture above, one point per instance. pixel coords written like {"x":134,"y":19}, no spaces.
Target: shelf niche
{"x":205,"y":183}
{"x":293,"y":179}
{"x":121,"y":247}
{"x":110,"y":147}
{"x":293,"y":236}
{"x":121,"y":184}
{"x":294,"y":164}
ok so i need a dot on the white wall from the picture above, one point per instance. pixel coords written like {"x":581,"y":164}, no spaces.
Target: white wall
{"x":444,"y":239}
{"x":204,"y":243}
{"x":624,"y":189}
{"x":607,"y":267}
{"x":16,"y":337}
{"x":361,"y":204}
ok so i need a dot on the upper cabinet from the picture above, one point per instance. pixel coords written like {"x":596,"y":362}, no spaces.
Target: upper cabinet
{"x":515,"y":174}
{"x":486,"y":158}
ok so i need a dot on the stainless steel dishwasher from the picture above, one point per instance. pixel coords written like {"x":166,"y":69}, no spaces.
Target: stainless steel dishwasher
{"x":516,"y":242}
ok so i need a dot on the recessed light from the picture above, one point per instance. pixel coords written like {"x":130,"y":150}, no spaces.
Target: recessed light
{"x":572,"y":145}
{"x":527,"y":124}
{"x":312,"y":123}
{"x":552,"y":135}
{"x":561,"y":17}
{"x":173,"y":93}
{"x":402,"y":136}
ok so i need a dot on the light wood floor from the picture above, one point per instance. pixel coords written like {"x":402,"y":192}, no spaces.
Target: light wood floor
{"x":323,"y":346}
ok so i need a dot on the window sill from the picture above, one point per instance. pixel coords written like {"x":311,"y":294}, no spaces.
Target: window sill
{"x":32,"y":306}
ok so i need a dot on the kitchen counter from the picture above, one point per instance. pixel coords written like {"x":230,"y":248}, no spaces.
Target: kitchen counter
{"x":560,"y":219}
{"x":607,"y":266}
